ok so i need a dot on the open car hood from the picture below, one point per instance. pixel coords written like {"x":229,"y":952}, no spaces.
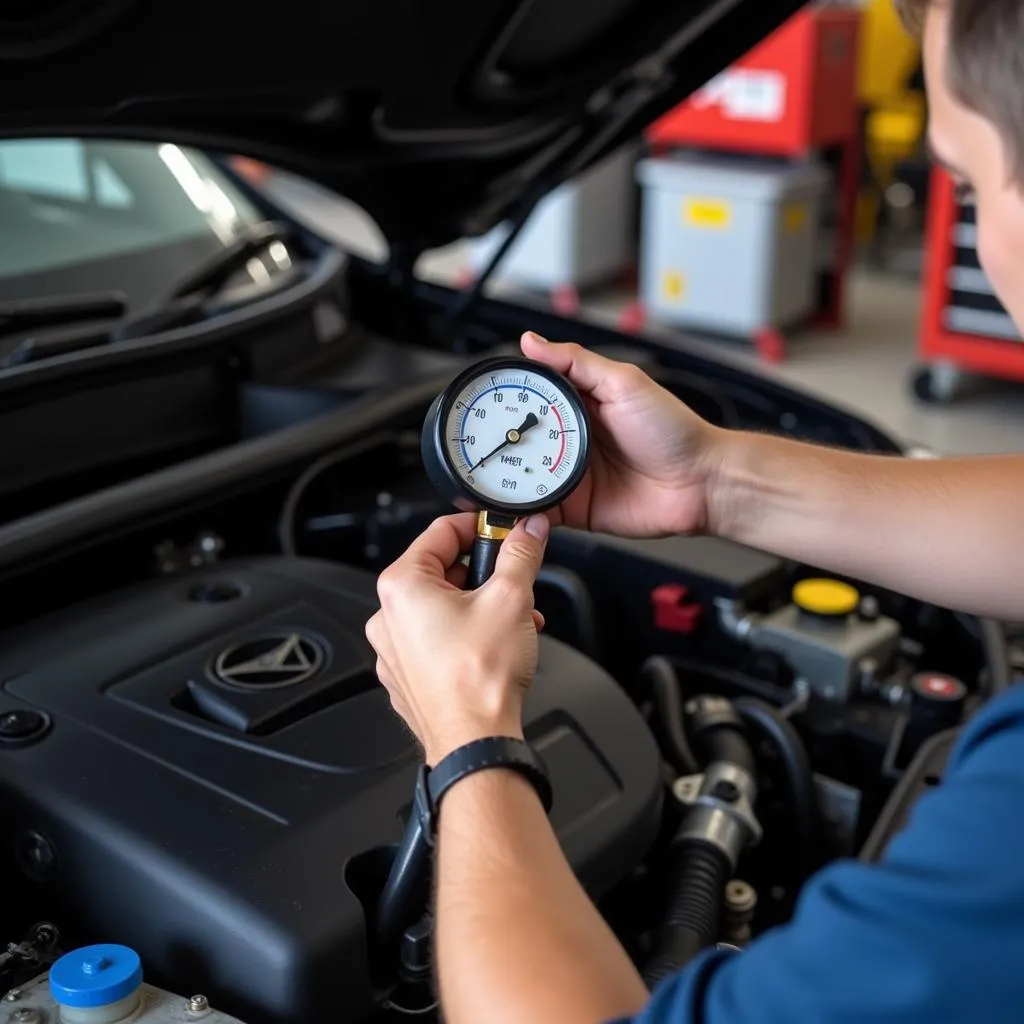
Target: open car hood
{"x":439,"y":117}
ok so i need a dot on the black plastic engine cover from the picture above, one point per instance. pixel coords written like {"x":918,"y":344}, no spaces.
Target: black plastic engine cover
{"x":209,"y":822}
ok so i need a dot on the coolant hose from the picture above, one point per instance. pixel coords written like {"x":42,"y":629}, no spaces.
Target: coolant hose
{"x":668,"y":703}
{"x":765,"y":720}
{"x":695,"y":902}
{"x":719,"y":826}
{"x":997,"y":656}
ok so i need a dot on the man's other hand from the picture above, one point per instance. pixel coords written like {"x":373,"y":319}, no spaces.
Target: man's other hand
{"x":457,"y":664}
{"x":652,"y":458}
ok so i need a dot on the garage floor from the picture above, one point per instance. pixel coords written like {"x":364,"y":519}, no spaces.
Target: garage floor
{"x":865,"y":366}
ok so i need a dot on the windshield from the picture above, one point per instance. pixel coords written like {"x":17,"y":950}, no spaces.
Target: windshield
{"x":82,"y":216}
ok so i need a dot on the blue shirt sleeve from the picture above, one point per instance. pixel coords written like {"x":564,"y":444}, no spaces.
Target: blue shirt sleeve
{"x":933,"y":933}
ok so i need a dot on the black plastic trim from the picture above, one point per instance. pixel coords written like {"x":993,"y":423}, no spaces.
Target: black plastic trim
{"x":36,"y":535}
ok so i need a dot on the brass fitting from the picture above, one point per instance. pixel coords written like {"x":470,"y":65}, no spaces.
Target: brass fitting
{"x":494,"y":525}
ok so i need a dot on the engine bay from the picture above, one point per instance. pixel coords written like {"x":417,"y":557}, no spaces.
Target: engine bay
{"x":197,"y":762}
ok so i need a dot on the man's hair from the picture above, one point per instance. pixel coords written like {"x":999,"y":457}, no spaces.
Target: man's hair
{"x":984,"y":62}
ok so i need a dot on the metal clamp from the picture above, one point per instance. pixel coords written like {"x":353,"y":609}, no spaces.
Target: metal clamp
{"x":722,"y":809}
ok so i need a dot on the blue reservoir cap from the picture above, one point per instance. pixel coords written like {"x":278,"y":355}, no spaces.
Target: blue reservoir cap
{"x":95,"y":976}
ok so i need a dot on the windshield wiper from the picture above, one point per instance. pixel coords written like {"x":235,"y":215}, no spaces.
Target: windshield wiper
{"x":211,"y":276}
{"x":77,"y":337}
{"x":55,"y":311}
{"x":184,"y":305}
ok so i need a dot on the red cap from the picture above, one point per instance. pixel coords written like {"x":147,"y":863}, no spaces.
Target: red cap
{"x":672,"y":612}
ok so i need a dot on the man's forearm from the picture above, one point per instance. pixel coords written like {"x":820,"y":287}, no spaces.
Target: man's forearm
{"x":944,"y":530}
{"x":518,"y":940}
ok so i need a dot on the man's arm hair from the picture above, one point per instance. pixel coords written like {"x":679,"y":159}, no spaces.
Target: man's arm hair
{"x":518,"y":940}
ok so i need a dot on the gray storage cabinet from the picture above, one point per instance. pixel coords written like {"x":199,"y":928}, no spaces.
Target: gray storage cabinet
{"x":580,"y":235}
{"x":727,"y":245}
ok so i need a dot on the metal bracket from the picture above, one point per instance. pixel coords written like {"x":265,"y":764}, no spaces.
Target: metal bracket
{"x":722,"y":812}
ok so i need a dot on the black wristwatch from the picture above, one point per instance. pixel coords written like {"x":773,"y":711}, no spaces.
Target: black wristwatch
{"x":492,"y":752}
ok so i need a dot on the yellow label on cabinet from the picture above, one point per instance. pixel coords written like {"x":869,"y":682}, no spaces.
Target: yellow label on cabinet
{"x":794,"y":217}
{"x":672,"y":285}
{"x":707,"y":213}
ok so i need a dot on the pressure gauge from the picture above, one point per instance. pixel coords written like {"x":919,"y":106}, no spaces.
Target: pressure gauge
{"x":507,"y":436}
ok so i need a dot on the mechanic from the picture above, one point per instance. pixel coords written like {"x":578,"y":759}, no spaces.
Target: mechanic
{"x":935,"y":932}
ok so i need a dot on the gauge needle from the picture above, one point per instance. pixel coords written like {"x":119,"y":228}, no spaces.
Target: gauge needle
{"x":514,"y":436}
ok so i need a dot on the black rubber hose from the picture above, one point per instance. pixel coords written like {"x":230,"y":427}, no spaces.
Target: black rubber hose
{"x":725,"y":743}
{"x":571,"y":586}
{"x":995,"y":649}
{"x":482,"y":560}
{"x":695,"y":903}
{"x":668,"y":703}
{"x":767,"y":721}
{"x":405,"y":893}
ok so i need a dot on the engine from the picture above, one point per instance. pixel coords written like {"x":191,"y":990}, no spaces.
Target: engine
{"x":203,"y":787}
{"x":208,"y":771}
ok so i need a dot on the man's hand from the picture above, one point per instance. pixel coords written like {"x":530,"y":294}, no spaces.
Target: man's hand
{"x":652,"y":458}
{"x":457,"y":663}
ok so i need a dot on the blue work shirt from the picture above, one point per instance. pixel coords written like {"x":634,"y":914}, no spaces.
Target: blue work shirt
{"x":932,"y":934}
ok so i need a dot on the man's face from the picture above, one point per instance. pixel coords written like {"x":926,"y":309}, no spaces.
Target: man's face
{"x":969,"y":147}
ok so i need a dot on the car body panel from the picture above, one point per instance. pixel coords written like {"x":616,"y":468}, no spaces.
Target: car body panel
{"x":439,"y":119}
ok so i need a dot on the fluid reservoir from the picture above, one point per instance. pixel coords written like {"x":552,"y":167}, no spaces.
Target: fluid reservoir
{"x":97,"y":984}
{"x":937,"y":699}
{"x":937,"y":702}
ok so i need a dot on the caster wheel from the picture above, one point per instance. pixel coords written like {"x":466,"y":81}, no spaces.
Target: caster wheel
{"x":565,"y":300}
{"x":935,"y":385}
{"x":633,"y":318}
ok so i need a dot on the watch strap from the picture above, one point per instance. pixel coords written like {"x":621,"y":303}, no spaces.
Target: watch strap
{"x":490,"y":752}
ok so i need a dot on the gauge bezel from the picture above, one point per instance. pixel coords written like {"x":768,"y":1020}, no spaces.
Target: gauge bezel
{"x":441,"y":470}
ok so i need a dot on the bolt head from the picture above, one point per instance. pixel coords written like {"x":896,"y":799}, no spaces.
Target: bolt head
{"x":26,"y":1016}
{"x":198,"y":1004}
{"x":21,"y":724}
{"x":13,"y":996}
{"x":726,"y":790}
{"x":740,"y":895}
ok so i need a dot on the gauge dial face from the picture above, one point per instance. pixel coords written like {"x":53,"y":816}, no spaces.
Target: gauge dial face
{"x":515,"y":437}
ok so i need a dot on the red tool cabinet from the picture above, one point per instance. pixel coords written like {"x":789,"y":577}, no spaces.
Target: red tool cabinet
{"x":794,"y":93}
{"x":964,"y":327}
{"x":794,"y":96}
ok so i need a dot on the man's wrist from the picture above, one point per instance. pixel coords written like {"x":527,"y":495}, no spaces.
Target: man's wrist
{"x":727,"y":486}
{"x":488,"y":789}
{"x":755,"y":477}
{"x":441,"y":743}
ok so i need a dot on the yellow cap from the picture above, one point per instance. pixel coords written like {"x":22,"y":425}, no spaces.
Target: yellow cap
{"x":825,"y":597}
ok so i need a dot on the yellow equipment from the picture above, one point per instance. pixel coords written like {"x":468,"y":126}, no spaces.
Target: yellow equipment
{"x":893,"y":105}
